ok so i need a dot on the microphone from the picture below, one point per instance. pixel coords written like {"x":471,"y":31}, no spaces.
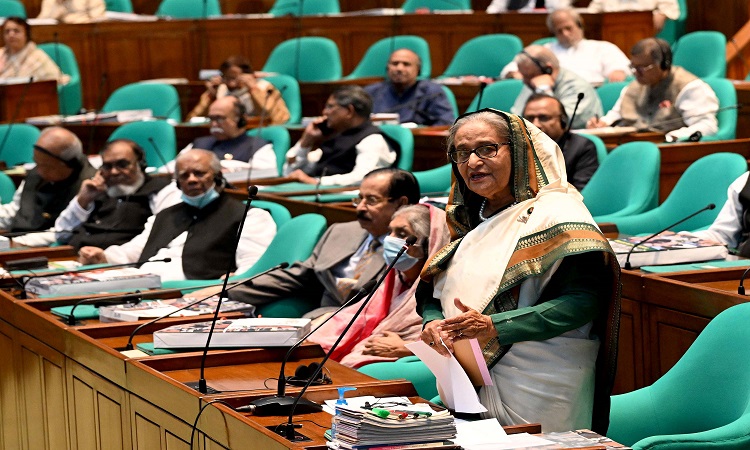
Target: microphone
{"x":566,"y":133}
{"x":677,"y":120}
{"x":56,"y":40}
{"x":741,"y":288}
{"x":160,"y":155}
{"x":16,"y":111}
{"x":258,"y":131}
{"x":169,"y":112}
{"x":695,"y":137}
{"x":482,"y":87}
{"x":317,"y":185}
{"x":129,"y":345}
{"x":684,"y":219}
{"x":118,"y":299}
{"x":280,"y":404}
{"x":97,"y":107}
{"x":288,"y":429}
{"x":201,"y":385}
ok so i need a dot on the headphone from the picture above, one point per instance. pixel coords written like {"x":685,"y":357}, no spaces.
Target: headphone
{"x":303,"y":373}
{"x":241,"y":111}
{"x":547,"y":70}
{"x":74,"y":163}
{"x":666,"y":54}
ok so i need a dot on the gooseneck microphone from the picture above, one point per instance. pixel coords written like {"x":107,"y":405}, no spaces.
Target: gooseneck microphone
{"x":160,"y":155}
{"x":257,"y":135}
{"x":119,"y":299}
{"x":566,"y":133}
{"x":201,"y":385}
{"x":287,"y":430}
{"x":741,"y":288}
{"x":323,"y":173}
{"x":684,"y":219}
{"x":480,"y":94}
{"x":129,"y":345}
{"x":281,"y":404}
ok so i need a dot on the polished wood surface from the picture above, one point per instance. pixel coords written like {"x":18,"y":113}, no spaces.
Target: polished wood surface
{"x":21,"y":101}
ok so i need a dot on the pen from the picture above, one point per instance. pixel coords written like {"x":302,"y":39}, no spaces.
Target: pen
{"x":384,"y":413}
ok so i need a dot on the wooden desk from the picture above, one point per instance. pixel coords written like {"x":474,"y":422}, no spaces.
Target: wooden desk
{"x":20,"y":101}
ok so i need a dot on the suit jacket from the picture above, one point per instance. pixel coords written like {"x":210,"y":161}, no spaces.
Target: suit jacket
{"x":581,"y":160}
{"x":312,"y":278}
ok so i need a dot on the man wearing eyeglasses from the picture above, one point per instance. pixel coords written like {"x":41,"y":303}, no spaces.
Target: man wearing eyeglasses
{"x":112,"y":207}
{"x":348,"y":255}
{"x":663,"y":98}
{"x":548,"y":114}
{"x":60,"y":169}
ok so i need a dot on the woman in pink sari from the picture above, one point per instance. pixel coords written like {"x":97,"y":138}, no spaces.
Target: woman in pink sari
{"x":390,"y":319}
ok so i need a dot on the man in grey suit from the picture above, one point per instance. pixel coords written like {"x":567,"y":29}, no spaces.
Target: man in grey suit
{"x":347,"y":256}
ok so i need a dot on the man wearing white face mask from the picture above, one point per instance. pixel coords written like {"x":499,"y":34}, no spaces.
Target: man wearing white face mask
{"x":198,"y":234}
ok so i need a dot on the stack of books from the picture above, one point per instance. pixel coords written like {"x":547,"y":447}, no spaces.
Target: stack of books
{"x":406,"y":427}
{"x":158,"y":308}
{"x":237,"y":333}
{"x":93,"y":281}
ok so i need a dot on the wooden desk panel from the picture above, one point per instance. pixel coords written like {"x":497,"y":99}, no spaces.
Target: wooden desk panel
{"x":20,"y":101}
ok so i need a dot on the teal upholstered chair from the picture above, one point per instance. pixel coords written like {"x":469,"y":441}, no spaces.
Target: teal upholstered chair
{"x":12,"y":8}
{"x":544,"y":40}
{"x":432,"y":181}
{"x":7,"y":188}
{"x":17,"y":143}
{"x":308,"y":8}
{"x":325,"y":66}
{"x":375,"y":59}
{"x":69,"y":95}
{"x":411,"y":6}
{"x":626,"y":182}
{"x":727,"y":118}
{"x":499,"y":95}
{"x":409,"y":368}
{"x":601,"y":147}
{"x":484,"y":55}
{"x":156,"y":137}
{"x":405,"y":140}
{"x":674,"y":29}
{"x":609,"y":93}
{"x":161,"y":99}
{"x":705,"y":181}
{"x":703,"y":402}
{"x":304,"y":231}
{"x":124,"y":6}
{"x":279,"y":213}
{"x":189,"y":9}
{"x":702,"y":53}
{"x":451,"y":99}
{"x":279,"y":137}
{"x":289,"y":88}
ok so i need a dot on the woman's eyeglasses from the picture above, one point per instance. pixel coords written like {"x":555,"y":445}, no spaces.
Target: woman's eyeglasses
{"x":483,"y":151}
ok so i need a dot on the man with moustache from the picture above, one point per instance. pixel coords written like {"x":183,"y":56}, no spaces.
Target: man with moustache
{"x":347,"y":256}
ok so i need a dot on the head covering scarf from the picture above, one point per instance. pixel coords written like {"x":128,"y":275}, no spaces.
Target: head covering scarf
{"x":558,"y":226}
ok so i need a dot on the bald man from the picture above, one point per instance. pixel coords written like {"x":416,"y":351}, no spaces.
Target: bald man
{"x":417,"y":101}
{"x":60,"y":169}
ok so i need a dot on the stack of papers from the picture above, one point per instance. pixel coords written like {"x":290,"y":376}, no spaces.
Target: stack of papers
{"x":158,"y":308}
{"x":667,"y":248}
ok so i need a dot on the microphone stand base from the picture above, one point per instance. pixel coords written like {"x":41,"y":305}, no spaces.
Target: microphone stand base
{"x":279,"y":406}
{"x":286,"y":430}
{"x":197,"y":385}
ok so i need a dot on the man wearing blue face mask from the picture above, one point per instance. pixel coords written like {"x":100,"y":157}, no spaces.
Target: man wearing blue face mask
{"x":198,"y":233}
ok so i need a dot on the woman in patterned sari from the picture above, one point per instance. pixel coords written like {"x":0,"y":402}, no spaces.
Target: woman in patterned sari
{"x":528,"y":274}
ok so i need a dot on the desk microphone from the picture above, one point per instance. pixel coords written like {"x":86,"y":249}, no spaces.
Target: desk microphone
{"x":287,"y":430}
{"x":167,"y":115}
{"x":129,"y":345}
{"x":480,"y":94}
{"x":630,"y":252}
{"x":741,"y":288}
{"x":695,"y":137}
{"x":258,"y":131}
{"x":119,"y":299}
{"x":566,"y":134}
{"x":16,"y":111}
{"x":201,"y":385}
{"x":160,"y":155}
{"x":320,"y":180}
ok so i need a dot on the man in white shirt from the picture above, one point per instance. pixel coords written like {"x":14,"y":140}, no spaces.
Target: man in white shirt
{"x":198,"y":234}
{"x":500,"y":6}
{"x":732,"y":226}
{"x":662,"y":97}
{"x":594,"y":61}
{"x":112,"y":206}
{"x":663,"y":9}
{"x":342,"y":146}
{"x":72,"y":11}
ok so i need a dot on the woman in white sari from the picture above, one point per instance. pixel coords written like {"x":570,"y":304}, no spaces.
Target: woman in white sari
{"x":527,"y":273}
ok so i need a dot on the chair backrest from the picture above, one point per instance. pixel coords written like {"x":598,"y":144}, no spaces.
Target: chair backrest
{"x":727,"y":118}
{"x":601,"y":147}
{"x":702,"y":53}
{"x":279,"y":137}
{"x":674,"y":29}
{"x":544,"y":40}
{"x":499,"y":95}
{"x":609,"y":93}
{"x":309,"y":58}
{"x":375,"y":59}
{"x":405,"y":140}
{"x":411,"y":6}
{"x":10,"y":8}
{"x":435,"y":180}
{"x":289,"y":88}
{"x":705,"y":181}
{"x":70,"y":95}
{"x":451,"y":99}
{"x":189,"y":9}
{"x":7,"y":188}
{"x":163,"y":144}
{"x":125,"y":6}
{"x":17,"y":143}
{"x":161,"y":99}
{"x":707,"y":389}
{"x":279,"y":213}
{"x":626,"y":182}
{"x":308,"y":8}
{"x":484,"y":55}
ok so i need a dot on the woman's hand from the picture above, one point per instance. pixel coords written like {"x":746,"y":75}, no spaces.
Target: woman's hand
{"x":432,"y":336}
{"x":468,"y":325}
{"x":389,"y":344}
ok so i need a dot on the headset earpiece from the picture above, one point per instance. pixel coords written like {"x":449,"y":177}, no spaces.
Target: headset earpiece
{"x":546,"y":70}
{"x":666,"y":54}
{"x":241,"y":111}
{"x":304,"y":372}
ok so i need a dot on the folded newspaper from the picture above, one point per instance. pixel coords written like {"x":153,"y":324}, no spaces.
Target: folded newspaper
{"x":667,"y":248}
{"x":255,"y":332}
{"x":158,"y":308}
{"x":93,"y":281}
